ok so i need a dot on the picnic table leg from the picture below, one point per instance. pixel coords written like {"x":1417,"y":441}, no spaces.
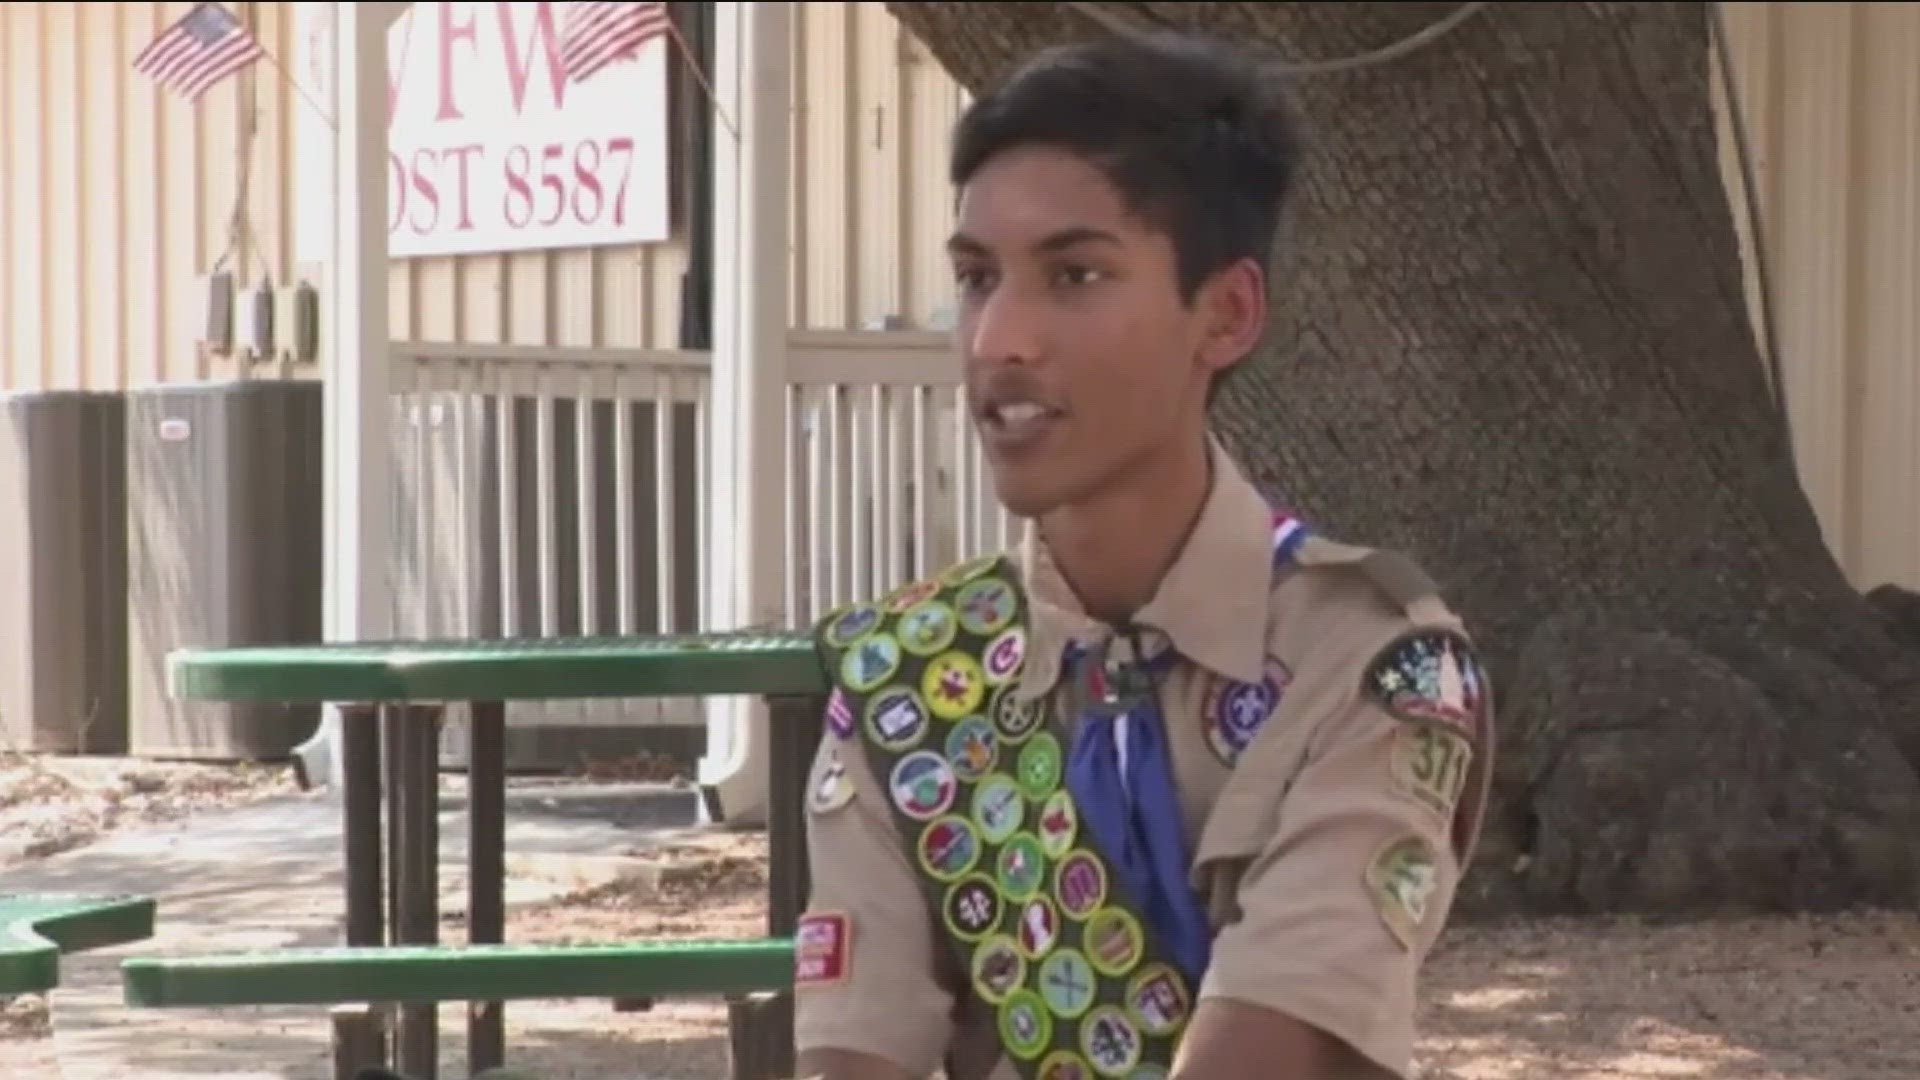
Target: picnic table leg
{"x":486,"y":869}
{"x":762,"y":1030}
{"x":361,"y":797}
{"x":417,"y":844}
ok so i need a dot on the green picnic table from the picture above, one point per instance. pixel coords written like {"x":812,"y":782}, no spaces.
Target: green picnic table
{"x":391,"y":696}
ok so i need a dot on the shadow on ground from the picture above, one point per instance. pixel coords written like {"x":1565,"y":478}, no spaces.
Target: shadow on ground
{"x":1816,"y":998}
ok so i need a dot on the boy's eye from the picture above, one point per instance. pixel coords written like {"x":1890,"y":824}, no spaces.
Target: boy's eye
{"x":1077,"y":275}
{"x":971,"y":278}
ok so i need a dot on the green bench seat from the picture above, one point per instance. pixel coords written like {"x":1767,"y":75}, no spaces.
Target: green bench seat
{"x":35,"y":928}
{"x":428,"y":973}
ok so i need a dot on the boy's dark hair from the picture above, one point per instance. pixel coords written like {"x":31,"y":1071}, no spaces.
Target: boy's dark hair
{"x":1198,"y":140}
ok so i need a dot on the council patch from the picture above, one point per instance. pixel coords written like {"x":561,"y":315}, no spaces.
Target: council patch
{"x":822,"y":947}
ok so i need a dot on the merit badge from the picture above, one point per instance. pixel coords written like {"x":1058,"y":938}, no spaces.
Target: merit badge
{"x":956,"y":576}
{"x":986,"y":606}
{"x":839,"y":714}
{"x":1064,"y":1065}
{"x":998,"y":968}
{"x":831,"y":788}
{"x":923,"y":785}
{"x":871,"y":661}
{"x":1039,"y":766}
{"x":1110,"y":1041}
{"x":1113,"y":942}
{"x":908,"y":595}
{"x":1235,"y":711}
{"x":1025,"y":1025}
{"x":1067,"y":982}
{"x":971,"y":748}
{"x":1004,"y":655}
{"x":972,"y":908}
{"x":1059,"y":823}
{"x":1080,"y":884}
{"x":1157,"y":999}
{"x":1021,"y":867}
{"x":852,"y":622}
{"x":926,"y":628}
{"x":1430,"y":764}
{"x":1402,"y":878}
{"x":1038,"y":928}
{"x":822,"y":942}
{"x":1430,"y":676}
{"x":998,"y":808}
{"x":949,"y":848}
{"x":896,"y":720}
{"x":953,"y":685}
{"x":1013,"y":718}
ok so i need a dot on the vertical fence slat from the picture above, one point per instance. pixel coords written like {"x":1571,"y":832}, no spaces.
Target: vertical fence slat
{"x":587,"y":386}
{"x":665,"y":470}
{"x":626,"y":543}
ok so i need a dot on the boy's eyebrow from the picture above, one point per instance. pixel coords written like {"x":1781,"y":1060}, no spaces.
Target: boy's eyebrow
{"x":962,"y":244}
{"x":1077,"y":234}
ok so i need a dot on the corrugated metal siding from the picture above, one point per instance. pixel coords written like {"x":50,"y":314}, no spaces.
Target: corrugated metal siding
{"x":1831,"y":94}
{"x":96,"y":290}
{"x":871,"y":112}
{"x":115,"y":196}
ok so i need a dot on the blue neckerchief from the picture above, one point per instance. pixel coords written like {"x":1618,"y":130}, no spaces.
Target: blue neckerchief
{"x":1136,"y":820}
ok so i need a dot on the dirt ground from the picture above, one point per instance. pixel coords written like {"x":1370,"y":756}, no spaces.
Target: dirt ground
{"x":1779,"y":999}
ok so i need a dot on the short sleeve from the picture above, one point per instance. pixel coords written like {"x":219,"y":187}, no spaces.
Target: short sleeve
{"x":1340,"y":908}
{"x":866,"y":977}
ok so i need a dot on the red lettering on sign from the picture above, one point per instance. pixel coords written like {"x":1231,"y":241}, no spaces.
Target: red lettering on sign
{"x":541,"y":188}
{"x":421,"y":185}
{"x":520,"y":59}
{"x":423,"y":182}
{"x":450,"y":32}
{"x":397,"y":61}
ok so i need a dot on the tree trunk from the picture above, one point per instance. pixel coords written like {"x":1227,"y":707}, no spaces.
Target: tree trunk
{"x":1509,"y":338}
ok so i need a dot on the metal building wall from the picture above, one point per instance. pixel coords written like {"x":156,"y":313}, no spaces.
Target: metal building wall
{"x":1832,"y":96}
{"x":96,"y":290}
{"x":114,"y":195}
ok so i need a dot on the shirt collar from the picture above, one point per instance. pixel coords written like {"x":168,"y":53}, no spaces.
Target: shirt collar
{"x":1211,"y":605}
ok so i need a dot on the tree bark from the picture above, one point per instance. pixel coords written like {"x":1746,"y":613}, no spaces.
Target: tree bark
{"x":1509,"y":337}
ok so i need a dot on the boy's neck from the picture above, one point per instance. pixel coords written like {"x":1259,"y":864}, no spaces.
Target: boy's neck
{"x":1114,"y":550}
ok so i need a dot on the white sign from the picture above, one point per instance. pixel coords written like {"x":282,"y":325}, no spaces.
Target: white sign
{"x":492,"y":147}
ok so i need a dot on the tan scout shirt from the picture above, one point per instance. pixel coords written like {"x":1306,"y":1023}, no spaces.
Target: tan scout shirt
{"x":1329,"y":846}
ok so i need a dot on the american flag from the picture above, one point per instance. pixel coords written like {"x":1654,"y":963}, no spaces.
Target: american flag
{"x":597,"y":34}
{"x":206,"y":45}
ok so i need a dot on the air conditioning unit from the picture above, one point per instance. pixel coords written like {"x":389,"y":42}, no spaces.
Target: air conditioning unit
{"x":224,"y":549}
{"x":63,"y":566}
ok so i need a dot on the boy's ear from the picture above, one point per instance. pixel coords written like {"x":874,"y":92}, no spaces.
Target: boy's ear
{"x":1236,"y":310}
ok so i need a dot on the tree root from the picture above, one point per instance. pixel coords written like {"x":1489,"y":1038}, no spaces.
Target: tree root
{"x":1646,"y":773}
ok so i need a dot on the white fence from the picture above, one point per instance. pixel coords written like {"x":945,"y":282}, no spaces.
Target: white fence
{"x":545,"y":492}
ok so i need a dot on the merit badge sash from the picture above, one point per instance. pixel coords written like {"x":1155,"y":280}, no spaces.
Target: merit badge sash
{"x":975,"y":784}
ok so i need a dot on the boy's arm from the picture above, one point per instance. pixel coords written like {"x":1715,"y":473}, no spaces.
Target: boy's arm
{"x":1316,"y":977}
{"x":869,"y":1002}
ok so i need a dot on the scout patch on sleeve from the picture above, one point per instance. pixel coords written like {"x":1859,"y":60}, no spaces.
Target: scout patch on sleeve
{"x":1430,"y":765}
{"x":1234,"y":712}
{"x":1432,"y":677}
{"x":1401,"y":880}
{"x":822,"y":945}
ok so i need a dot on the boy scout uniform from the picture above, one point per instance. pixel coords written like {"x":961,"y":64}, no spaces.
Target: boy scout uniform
{"x":1330,"y":742}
